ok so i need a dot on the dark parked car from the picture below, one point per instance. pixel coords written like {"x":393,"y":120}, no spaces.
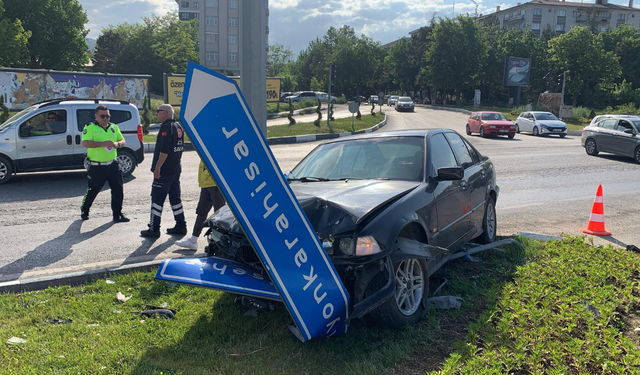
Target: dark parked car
{"x":618,"y":136}
{"x":389,"y":209}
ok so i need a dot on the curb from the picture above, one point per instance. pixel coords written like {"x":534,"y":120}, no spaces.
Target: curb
{"x":80,"y":277}
{"x":188,"y":146}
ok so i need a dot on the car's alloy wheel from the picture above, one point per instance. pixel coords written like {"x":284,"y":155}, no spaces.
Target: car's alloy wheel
{"x":127,"y":162}
{"x":637,"y":155}
{"x":6,"y":170}
{"x":511,"y":135}
{"x":482,"y":134}
{"x":535,"y":131}
{"x":489,"y":223}
{"x":407,"y":305}
{"x":468,"y":130}
{"x":592,"y":148}
{"x":517,"y":128}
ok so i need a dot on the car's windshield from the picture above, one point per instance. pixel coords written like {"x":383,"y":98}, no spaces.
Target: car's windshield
{"x":494,"y":117}
{"x":545,"y":116}
{"x":637,"y":124}
{"x":394,"y":97}
{"x":15,"y":117}
{"x":404,"y":99}
{"x":395,"y":158}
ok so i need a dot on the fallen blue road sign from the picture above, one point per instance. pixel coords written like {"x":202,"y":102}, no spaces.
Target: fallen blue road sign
{"x":218,"y":273}
{"x":227,"y":137}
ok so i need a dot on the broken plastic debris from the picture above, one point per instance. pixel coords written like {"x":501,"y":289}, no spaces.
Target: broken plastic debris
{"x":252,"y":312}
{"x":445,"y":302}
{"x":594,"y":310}
{"x":109,"y":281}
{"x":93,"y":325}
{"x":117,"y":311}
{"x":120,"y":297}
{"x":164,"y":305}
{"x":167,"y":313}
{"x":59,"y":321}
{"x":16,"y":340}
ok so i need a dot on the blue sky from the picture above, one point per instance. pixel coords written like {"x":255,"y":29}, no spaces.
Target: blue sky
{"x":294,"y":23}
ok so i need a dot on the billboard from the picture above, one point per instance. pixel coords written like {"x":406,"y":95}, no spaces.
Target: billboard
{"x":517,"y":71}
{"x":174,"y":87}
{"x":21,"y":88}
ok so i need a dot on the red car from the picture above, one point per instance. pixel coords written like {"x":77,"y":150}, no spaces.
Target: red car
{"x":490,"y":123}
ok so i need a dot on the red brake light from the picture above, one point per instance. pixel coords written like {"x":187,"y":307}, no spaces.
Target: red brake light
{"x":140,"y":132}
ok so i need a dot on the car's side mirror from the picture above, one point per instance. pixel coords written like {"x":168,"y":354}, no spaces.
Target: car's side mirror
{"x":450,"y":173}
{"x":630,"y":131}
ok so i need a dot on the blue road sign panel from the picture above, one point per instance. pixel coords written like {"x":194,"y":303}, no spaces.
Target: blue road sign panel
{"x":227,"y":137}
{"x":217,"y":273}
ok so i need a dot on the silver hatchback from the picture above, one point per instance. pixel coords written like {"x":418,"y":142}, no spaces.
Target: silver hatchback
{"x":618,"y":136}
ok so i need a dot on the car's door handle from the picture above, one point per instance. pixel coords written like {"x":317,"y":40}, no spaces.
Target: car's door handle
{"x":463,"y":184}
{"x":69,"y":140}
{"x":77,"y":139}
{"x":483,"y":173}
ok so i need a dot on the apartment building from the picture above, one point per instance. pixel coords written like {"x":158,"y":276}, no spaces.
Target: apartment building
{"x":560,"y":15}
{"x":219,"y":22}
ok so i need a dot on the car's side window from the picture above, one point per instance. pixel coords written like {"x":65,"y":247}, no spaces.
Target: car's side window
{"x":441,"y":153}
{"x":624,"y":125}
{"x":472,"y":152}
{"x":45,"y":123}
{"x":608,"y":124}
{"x":460,"y":150}
{"x":85,"y":116}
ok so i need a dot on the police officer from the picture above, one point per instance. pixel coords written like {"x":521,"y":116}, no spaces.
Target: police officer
{"x":102,"y":139}
{"x":166,"y":170}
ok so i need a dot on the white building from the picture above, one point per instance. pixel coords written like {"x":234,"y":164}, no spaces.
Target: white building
{"x":560,"y":15}
{"x":219,"y":22}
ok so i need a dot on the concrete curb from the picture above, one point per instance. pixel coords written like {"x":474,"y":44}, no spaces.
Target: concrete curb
{"x":188,"y":146}
{"x":80,"y":277}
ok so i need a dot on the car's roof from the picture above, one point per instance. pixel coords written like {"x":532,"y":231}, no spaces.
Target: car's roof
{"x":488,"y":112}
{"x":396,"y":133}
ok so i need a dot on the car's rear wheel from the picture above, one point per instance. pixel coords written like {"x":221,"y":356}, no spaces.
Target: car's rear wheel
{"x":482,"y":134}
{"x":592,"y":148}
{"x":6,"y":170}
{"x":517,"y":128}
{"x":406,"y":306}
{"x":127,"y":162}
{"x":489,"y":223}
{"x":468,"y":130}
{"x":535,"y":131}
{"x":511,"y":135}
{"x":637,"y":155}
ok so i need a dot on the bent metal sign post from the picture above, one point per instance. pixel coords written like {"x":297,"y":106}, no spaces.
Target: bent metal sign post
{"x":223,"y":129}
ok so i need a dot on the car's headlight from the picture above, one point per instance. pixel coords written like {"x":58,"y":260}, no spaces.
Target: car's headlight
{"x":346,"y":246}
{"x":513,"y":126}
{"x":367,"y":245}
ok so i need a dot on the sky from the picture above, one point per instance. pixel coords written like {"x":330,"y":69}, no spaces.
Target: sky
{"x":294,"y":23}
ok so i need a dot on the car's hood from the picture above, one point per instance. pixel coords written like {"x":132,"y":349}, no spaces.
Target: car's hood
{"x":555,"y":123}
{"x":498,"y":122}
{"x":336,"y":206}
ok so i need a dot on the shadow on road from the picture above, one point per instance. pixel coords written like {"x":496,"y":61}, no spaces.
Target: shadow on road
{"x":51,"y":251}
{"x":145,"y":252}
{"x":614,"y":241}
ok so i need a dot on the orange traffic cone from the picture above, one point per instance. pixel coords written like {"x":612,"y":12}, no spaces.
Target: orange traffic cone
{"x":596,"y":221}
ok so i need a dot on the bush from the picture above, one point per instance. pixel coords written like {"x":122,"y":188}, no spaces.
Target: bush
{"x":319,"y":112}
{"x":582,"y":112}
{"x":292,"y":121}
{"x":342,"y":100}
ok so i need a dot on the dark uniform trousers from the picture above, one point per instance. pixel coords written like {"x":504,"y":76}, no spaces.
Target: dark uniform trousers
{"x":166,"y":184}
{"x":98,"y":175}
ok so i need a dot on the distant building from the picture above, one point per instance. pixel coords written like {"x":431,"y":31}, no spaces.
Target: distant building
{"x":219,"y":23}
{"x":561,"y":15}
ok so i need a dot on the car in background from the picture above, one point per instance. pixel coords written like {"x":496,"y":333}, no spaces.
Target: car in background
{"x":47,"y":136}
{"x":602,"y":117}
{"x":540,"y":123}
{"x":303,"y":95}
{"x":404,"y":103}
{"x":324,"y":97}
{"x":285,"y":95}
{"x":490,"y":123}
{"x":618,"y":136}
{"x":356,"y":97}
{"x":387,"y":210}
{"x":373,"y":99}
{"x":393,"y":99}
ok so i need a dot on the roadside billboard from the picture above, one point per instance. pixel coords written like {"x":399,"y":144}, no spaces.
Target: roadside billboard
{"x":174,"y":87}
{"x":516,"y":71}
{"x":21,"y":88}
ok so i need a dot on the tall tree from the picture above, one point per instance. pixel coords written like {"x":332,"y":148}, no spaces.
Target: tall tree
{"x":13,"y":39}
{"x":625,"y":43}
{"x":278,"y":59}
{"x":57,"y":29}
{"x":582,"y":56}
{"x":110,"y":46}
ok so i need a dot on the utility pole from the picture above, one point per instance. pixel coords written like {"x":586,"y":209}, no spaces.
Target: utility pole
{"x":332,"y":73}
{"x":253,"y":59}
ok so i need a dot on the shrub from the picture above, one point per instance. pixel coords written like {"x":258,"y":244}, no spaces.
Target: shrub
{"x":582,"y":112}
{"x":359,"y":115}
{"x":373,"y":108}
{"x":292,"y":121}
{"x":319,"y":112}
{"x":341,"y":100}
{"x":331,"y":113}
{"x":592,"y":114}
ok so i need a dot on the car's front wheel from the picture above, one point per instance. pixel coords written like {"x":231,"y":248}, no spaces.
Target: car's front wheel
{"x":636,"y":155}
{"x":6,"y":170}
{"x":535,"y":131}
{"x":406,"y":305}
{"x":489,"y":223}
{"x":468,"y":130}
{"x":591,"y":148}
{"x":482,"y":134}
{"x":127,"y":162}
{"x":517,"y":128}
{"x":511,"y":135}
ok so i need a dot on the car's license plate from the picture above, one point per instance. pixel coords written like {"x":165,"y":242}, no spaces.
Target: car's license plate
{"x":557,"y":130}
{"x":504,"y":130}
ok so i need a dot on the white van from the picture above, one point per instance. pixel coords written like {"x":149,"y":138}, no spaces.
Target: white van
{"x":48,"y":136}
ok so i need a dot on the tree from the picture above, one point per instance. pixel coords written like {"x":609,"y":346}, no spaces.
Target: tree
{"x":58,"y":35}
{"x":13,"y":39}
{"x":110,"y":46}
{"x":582,"y":56}
{"x":278,"y":60}
{"x":625,"y":43}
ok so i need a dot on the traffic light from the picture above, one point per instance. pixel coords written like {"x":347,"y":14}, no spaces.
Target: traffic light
{"x":334,"y":73}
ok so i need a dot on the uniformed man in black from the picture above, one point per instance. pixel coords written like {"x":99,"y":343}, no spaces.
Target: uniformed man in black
{"x":102,"y":139}
{"x":166,"y":170}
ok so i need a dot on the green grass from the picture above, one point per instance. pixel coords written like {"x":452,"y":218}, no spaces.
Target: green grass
{"x":521,"y":314}
{"x":341,"y":125}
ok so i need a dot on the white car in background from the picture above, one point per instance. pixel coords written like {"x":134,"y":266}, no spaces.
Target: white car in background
{"x":393,"y":99}
{"x":324,"y":97}
{"x":540,"y":123}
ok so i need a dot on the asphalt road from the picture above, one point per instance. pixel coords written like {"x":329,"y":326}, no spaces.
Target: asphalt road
{"x":547,"y":185}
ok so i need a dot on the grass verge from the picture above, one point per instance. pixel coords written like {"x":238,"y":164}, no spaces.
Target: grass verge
{"x":341,"y":125}
{"x":522,"y":313}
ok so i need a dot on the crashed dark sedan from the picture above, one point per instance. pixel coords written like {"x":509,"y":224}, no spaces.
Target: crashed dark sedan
{"x":390,"y":209}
